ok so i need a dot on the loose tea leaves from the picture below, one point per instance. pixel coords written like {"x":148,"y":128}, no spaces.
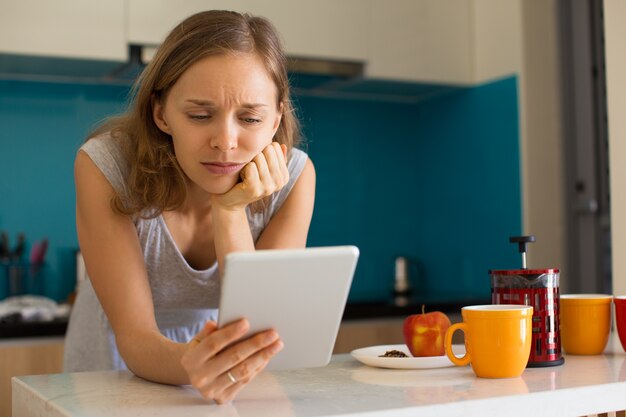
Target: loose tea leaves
{"x":394,"y":354}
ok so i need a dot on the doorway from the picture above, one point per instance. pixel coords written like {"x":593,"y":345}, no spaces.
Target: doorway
{"x":585,"y":147}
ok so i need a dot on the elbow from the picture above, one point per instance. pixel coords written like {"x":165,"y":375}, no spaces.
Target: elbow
{"x":134,"y":350}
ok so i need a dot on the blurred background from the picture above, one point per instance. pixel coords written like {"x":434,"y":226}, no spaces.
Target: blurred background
{"x":439,"y":128}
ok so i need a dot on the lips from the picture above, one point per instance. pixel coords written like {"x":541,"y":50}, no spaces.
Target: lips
{"x":223,"y":168}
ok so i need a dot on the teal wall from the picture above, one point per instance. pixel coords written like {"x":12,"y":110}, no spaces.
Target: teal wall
{"x":437,"y":181}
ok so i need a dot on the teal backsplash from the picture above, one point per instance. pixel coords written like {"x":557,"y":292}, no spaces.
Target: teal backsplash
{"x":437,"y":181}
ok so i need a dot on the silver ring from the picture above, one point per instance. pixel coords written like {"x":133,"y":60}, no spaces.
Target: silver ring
{"x":231,"y":377}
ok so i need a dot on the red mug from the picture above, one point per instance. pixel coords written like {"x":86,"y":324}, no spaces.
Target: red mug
{"x":620,"y":318}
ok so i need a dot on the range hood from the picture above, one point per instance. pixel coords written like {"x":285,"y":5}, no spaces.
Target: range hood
{"x":316,"y":77}
{"x":14,"y":66}
{"x":140,"y":55}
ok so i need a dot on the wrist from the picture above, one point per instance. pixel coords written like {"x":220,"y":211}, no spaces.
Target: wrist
{"x":218,"y":202}
{"x":225,"y":215}
{"x":219,"y":208}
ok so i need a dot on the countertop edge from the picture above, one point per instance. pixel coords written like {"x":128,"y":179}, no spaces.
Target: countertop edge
{"x":24,"y":397}
{"x":539,"y":404}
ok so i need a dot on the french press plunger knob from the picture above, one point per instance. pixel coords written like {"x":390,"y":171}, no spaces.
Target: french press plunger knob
{"x":521,"y":242}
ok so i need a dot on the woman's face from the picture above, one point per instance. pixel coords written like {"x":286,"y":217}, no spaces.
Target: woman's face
{"x":221,"y":113}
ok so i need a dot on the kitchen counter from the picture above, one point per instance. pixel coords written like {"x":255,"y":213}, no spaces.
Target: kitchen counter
{"x":583,"y":385}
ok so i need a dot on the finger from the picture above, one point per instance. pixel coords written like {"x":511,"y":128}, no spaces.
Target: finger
{"x":241,"y":351}
{"x":230,"y":391}
{"x":229,"y":394}
{"x":284,"y":167}
{"x":244,"y":357}
{"x":264,"y":172}
{"x":208,"y":328}
{"x":250,"y":176}
{"x":277,"y":157}
{"x":220,"y":339}
{"x":281,"y":158}
{"x":274,"y":158}
{"x":278,"y":166}
{"x":199,"y":362}
{"x":281,"y":153}
{"x":246,"y":372}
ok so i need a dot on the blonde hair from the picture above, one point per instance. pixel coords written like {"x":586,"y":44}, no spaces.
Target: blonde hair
{"x":156,"y":182}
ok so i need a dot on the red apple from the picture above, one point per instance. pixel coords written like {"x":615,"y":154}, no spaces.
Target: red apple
{"x":424,"y":333}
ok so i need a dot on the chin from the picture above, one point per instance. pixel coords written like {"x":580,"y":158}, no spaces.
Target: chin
{"x":221,"y":186}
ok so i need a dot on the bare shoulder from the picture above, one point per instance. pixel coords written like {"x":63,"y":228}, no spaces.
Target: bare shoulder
{"x":304,"y":187}
{"x":83,"y":165}
{"x":89,"y":179}
{"x":307,"y":176}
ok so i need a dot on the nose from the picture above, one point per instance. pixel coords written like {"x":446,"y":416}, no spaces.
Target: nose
{"x":224,"y":136}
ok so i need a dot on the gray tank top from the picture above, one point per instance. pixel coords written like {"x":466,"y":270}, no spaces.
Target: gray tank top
{"x":184,"y":298}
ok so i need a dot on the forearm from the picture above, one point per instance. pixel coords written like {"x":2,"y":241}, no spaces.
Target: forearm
{"x":154,"y":357}
{"x":231,"y":232}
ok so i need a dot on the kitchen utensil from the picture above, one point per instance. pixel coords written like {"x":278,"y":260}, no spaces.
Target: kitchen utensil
{"x":497,"y":338}
{"x":38,"y":253}
{"x":538,"y":288}
{"x":20,"y":247}
{"x":401,"y":285}
{"x":5,"y":252}
{"x":585,"y":323}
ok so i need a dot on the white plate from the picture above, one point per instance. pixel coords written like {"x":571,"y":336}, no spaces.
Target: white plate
{"x":371,"y":356}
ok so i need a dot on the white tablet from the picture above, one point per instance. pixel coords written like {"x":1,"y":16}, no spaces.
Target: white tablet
{"x":299,"y":292}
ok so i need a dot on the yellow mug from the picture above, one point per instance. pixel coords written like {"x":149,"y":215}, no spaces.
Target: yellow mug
{"x":585,"y":323}
{"x":497,"y":339}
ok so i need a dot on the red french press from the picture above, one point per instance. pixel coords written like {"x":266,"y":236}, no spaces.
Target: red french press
{"x":538,"y":288}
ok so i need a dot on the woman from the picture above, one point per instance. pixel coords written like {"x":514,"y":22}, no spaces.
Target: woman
{"x":201,"y":165}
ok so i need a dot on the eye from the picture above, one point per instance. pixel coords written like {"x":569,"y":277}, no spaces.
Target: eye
{"x":199,"y":116}
{"x":251,"y":120}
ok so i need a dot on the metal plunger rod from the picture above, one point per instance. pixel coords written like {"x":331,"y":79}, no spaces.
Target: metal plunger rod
{"x":521,"y":245}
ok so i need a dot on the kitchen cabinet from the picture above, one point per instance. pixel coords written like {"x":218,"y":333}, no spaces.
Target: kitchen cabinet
{"x":427,"y":41}
{"x":444,"y":41}
{"x":27,"y":357}
{"x":355,"y":334}
{"x":434,"y":41}
{"x":87,"y":29}
{"x":319,"y":29}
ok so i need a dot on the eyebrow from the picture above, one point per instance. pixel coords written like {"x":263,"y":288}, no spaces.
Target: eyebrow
{"x":209,"y":103}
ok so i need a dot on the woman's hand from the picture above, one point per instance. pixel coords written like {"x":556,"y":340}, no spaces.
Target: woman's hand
{"x":264,"y":175}
{"x":219,"y":363}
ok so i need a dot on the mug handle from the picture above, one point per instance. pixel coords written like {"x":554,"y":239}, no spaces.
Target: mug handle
{"x":465,"y":359}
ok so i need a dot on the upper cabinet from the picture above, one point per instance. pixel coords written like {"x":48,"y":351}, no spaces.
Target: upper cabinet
{"x":457,"y":42}
{"x":444,"y":41}
{"x":86,"y":29}
{"x":433,"y":41}
{"x":313,"y":29}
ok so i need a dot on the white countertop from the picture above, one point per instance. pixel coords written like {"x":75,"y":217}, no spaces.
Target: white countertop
{"x":583,"y":385}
